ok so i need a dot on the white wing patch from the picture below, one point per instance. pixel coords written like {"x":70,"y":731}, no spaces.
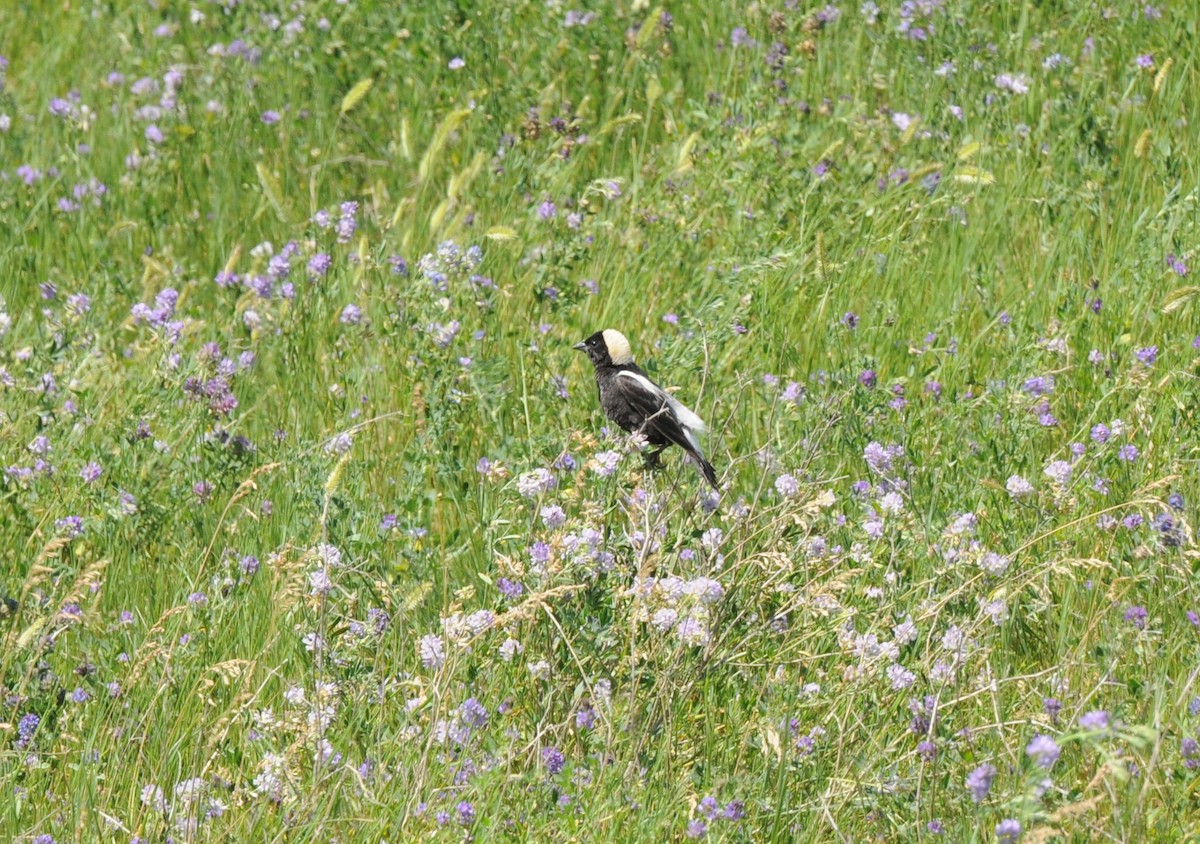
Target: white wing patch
{"x":692,"y":424}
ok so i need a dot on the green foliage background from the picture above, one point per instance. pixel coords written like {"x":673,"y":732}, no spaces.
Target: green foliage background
{"x":759,"y":185}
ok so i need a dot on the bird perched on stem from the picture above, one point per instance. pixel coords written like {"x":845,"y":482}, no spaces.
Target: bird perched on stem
{"x":640,"y":406}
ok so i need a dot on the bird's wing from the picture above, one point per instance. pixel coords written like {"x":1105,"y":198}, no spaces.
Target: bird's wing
{"x":676,"y":423}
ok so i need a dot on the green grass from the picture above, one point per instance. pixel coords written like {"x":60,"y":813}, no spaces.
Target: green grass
{"x":908,"y":246}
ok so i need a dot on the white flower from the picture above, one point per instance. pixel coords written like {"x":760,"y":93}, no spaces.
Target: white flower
{"x":190,"y":790}
{"x":270,"y":780}
{"x":711,"y":539}
{"x":900,"y":676}
{"x":604,"y":463}
{"x":994,"y":564}
{"x":319,"y":581}
{"x":480,"y":620}
{"x":942,"y":672}
{"x":328,"y":555}
{"x":532,"y":484}
{"x":955,"y":640}
{"x":432,"y":651}
{"x":152,"y":796}
{"x":692,"y":632}
{"x":339,"y":444}
{"x":510,"y":648}
{"x":1059,"y":472}
{"x":964,"y":525}
{"x":996,"y":610}
{"x":787,"y":485}
{"x":1018,"y":487}
{"x":664,"y":619}
{"x":325,"y":749}
{"x":707,"y":590}
{"x":1017,"y":83}
{"x":603,"y":691}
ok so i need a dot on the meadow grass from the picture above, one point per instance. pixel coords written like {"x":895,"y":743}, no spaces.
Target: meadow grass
{"x":313,"y":529}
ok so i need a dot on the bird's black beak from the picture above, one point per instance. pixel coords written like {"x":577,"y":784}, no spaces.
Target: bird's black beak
{"x":580,"y":346}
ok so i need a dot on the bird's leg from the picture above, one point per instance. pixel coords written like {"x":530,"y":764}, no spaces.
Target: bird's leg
{"x":652,"y":458}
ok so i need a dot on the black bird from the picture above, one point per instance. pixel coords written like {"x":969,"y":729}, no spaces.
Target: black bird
{"x":639,"y":405}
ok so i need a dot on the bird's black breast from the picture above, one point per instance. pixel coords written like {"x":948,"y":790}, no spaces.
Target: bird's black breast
{"x":621,"y":406}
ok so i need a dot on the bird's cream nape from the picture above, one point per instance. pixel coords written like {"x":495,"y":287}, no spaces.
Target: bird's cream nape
{"x":618,"y":347}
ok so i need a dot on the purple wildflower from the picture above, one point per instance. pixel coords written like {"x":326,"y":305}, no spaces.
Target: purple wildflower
{"x":1039,"y":385}
{"x":465,"y":813}
{"x":26,"y":727}
{"x":1189,"y":749}
{"x":510,"y":589}
{"x":979,"y":782}
{"x":1008,"y":831}
{"x":70,"y":526}
{"x":319,"y":264}
{"x":347,"y":223}
{"x":585,"y":717}
{"x":1044,"y":750}
{"x":1095,"y":721}
{"x":432,"y":651}
{"x":787,"y":485}
{"x":554,"y":760}
{"x":740,"y":38}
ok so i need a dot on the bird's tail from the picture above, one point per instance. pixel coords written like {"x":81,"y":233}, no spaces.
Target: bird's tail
{"x":705,"y":468}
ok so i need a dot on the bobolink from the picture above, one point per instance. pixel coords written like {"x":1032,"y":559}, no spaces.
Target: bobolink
{"x":640,"y":406}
